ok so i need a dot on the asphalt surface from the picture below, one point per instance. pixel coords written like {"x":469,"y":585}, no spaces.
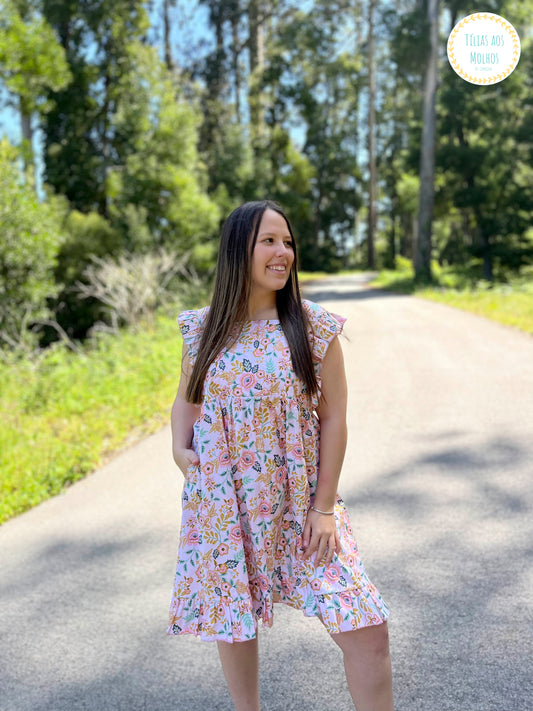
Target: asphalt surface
{"x":438,"y":482}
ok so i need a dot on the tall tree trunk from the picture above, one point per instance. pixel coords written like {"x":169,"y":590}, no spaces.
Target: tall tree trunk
{"x":422,"y":256}
{"x":105,"y":140}
{"x":372,"y":188}
{"x":486,"y":247}
{"x":236,"y":67}
{"x":27,"y":134}
{"x":166,"y":35}
{"x":256,"y":11}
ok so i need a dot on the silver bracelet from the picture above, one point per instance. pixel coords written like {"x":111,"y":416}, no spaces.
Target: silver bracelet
{"x":324,"y":513}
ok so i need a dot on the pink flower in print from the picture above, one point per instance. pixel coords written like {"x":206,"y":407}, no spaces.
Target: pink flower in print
{"x":346,"y":600}
{"x":223,"y":568}
{"x":235,"y":533}
{"x":287,"y":586}
{"x":333,"y":572}
{"x":262,"y":581}
{"x":208,"y":468}
{"x":281,"y":473}
{"x":261,"y":374}
{"x":237,"y":392}
{"x":264,"y":508}
{"x":193,"y":537}
{"x":268,"y":543}
{"x":248,"y":459}
{"x":224,"y":458}
{"x":310,"y":470}
{"x":316,"y":584}
{"x":223,"y":549}
{"x":247,"y":381}
{"x":225,"y":586}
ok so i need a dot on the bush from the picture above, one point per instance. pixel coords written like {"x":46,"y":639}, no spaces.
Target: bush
{"x":31,"y":236}
{"x":135,"y":285}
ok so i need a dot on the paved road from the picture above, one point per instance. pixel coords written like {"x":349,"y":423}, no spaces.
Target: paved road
{"x":438,"y":483}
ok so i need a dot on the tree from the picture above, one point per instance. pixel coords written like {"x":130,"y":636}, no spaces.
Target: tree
{"x":422,"y":252}
{"x":372,"y":178}
{"x":32,"y":62}
{"x":31,"y":237}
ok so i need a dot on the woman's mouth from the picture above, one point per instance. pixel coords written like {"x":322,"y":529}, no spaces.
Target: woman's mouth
{"x":280,"y":268}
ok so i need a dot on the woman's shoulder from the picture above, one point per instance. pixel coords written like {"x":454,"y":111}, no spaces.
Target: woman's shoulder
{"x":191,"y":322}
{"x":322,"y":321}
{"x":324,"y":326}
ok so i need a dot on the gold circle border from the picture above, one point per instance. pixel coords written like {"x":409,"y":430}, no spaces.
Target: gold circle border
{"x":495,"y":78}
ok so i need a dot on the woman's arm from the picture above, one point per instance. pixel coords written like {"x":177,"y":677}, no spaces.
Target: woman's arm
{"x":182,"y":418}
{"x":320,"y":530}
{"x":331,"y":413}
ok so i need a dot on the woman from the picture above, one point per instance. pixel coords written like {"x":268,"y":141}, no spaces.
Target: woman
{"x":259,"y":431}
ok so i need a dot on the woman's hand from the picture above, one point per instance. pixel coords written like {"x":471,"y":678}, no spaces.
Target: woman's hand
{"x":185,"y":458}
{"x":320,"y":535}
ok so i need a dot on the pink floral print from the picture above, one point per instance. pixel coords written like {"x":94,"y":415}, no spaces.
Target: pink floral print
{"x":245,"y":504}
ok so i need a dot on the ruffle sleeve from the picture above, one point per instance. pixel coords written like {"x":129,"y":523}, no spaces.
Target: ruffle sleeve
{"x":324,"y":327}
{"x":191,"y":325}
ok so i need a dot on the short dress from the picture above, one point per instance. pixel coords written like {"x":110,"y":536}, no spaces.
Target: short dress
{"x":244,"y":505}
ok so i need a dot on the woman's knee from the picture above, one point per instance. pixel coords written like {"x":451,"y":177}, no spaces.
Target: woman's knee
{"x":372,"y":640}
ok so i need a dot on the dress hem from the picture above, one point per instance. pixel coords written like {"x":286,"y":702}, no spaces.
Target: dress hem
{"x":367,"y":609}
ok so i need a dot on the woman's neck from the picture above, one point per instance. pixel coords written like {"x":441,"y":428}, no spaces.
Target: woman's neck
{"x":262,"y":306}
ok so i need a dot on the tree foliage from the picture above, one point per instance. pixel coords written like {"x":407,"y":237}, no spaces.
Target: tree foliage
{"x":154,"y":130}
{"x":31,"y":237}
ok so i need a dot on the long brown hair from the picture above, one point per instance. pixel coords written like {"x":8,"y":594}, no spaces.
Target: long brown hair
{"x":229,"y":306}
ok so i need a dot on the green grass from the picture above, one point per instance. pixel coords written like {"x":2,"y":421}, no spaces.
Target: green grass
{"x":509,"y":303}
{"x":63,"y":418}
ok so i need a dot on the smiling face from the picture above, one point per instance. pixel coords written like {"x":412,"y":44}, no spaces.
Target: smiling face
{"x":273,"y":254}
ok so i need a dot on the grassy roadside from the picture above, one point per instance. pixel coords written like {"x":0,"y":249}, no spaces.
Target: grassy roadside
{"x":510,"y":304}
{"x":64,"y":417}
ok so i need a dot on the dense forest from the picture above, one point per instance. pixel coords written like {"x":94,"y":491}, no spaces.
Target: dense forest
{"x":154,"y":128}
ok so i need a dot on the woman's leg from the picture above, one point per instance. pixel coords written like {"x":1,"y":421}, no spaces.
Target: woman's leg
{"x":368,"y":666}
{"x":240,"y":664}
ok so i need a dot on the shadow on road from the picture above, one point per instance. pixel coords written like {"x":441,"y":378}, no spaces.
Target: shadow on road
{"x":457,"y":574}
{"x":326,"y":294}
{"x":350,"y":288}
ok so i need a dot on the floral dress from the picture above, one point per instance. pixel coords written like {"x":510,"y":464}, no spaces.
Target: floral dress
{"x":245,"y":503}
